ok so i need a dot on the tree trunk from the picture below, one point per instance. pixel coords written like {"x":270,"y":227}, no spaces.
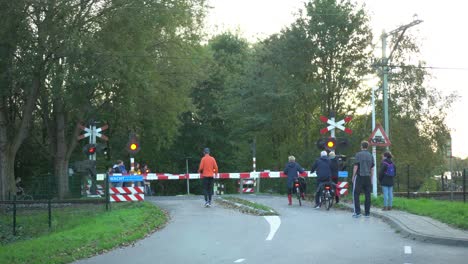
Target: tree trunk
{"x":11,"y":142}
{"x":7,"y":182}
{"x":60,"y":160}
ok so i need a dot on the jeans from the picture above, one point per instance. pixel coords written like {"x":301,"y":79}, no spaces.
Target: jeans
{"x":387,"y":195}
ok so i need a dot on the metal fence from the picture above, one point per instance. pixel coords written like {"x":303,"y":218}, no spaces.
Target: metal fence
{"x":411,"y":182}
{"x":38,"y":208}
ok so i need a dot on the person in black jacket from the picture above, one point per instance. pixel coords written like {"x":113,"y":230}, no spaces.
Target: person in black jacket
{"x":386,"y":177}
{"x":322,"y":166}
{"x":292,"y":170}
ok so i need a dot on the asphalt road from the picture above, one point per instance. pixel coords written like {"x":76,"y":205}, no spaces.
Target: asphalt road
{"x":217,"y":235}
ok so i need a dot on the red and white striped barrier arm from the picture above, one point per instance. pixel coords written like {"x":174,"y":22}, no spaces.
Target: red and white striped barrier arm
{"x":233,"y":175}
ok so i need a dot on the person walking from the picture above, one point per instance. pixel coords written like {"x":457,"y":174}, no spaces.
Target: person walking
{"x":387,"y":173}
{"x":362,"y":179}
{"x":119,"y":167}
{"x":292,"y":170}
{"x":322,"y":167}
{"x":334,"y":172}
{"x":207,"y":169}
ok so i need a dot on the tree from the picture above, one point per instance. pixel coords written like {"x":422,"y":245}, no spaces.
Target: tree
{"x":311,"y":68}
{"x":79,"y":65}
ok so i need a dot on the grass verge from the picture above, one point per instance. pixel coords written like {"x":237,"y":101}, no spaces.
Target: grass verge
{"x":450,"y":212}
{"x":87,"y":235}
{"x":265,"y":209}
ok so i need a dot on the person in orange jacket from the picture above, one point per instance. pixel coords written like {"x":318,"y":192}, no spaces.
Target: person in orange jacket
{"x":207,"y":169}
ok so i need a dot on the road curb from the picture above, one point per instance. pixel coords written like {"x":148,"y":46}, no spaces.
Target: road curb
{"x":244,"y":208}
{"x":407,"y":232}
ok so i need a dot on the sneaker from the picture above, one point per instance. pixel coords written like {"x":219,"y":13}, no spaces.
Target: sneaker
{"x":367,"y":215}
{"x":317,"y":207}
{"x":356,"y":215}
{"x":207,"y":204}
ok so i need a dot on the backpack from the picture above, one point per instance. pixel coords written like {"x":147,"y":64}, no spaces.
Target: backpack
{"x":390,"y":171}
{"x":116,"y":170}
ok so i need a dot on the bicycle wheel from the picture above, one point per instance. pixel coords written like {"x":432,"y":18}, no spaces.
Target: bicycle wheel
{"x":298,"y":194}
{"x":328,"y":200}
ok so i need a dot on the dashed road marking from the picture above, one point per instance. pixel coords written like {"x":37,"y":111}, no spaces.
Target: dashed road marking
{"x":275,"y":223}
{"x":239,"y":261}
{"x":408,"y":250}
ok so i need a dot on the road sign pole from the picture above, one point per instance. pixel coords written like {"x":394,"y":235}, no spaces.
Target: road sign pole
{"x":374,"y":148}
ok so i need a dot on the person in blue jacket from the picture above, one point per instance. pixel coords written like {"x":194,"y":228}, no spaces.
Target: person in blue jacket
{"x":292,"y":170}
{"x":322,"y":167}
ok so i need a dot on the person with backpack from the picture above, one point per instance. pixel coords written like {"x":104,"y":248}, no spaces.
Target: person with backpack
{"x":387,"y":174}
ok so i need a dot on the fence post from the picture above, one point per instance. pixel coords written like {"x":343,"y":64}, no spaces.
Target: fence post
{"x":464,"y":185}
{"x":14,"y":215}
{"x":443,"y":183}
{"x":107,"y":191}
{"x":49,"y":203}
{"x":407,"y":180}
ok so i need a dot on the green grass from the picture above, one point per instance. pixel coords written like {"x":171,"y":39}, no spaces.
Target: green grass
{"x":250,"y":204}
{"x":83,"y":234}
{"x":450,"y":212}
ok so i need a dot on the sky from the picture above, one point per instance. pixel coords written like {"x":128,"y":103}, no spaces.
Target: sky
{"x":443,"y":37}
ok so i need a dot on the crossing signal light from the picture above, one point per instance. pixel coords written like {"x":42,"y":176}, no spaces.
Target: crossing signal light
{"x":330,"y":144}
{"x":89,"y":149}
{"x":133,"y":146}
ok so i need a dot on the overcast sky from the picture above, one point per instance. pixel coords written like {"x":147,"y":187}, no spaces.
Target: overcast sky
{"x":443,"y":36}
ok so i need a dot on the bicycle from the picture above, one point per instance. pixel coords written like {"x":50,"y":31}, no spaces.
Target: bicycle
{"x":327,"y":196}
{"x":22,"y":196}
{"x":297,"y":189}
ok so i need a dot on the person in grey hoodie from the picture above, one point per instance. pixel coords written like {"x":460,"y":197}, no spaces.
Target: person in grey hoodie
{"x":362,"y":179}
{"x":292,"y":170}
{"x":322,"y":166}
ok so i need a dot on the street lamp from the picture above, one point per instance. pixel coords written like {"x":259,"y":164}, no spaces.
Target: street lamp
{"x":385,"y":62}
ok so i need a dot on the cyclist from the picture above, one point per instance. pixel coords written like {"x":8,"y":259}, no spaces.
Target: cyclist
{"x":322,"y":167}
{"x":19,"y":189}
{"x":292,"y":170}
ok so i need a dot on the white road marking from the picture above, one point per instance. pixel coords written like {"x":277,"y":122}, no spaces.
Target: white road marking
{"x":407,"y":250}
{"x":239,"y":261}
{"x":275,"y":223}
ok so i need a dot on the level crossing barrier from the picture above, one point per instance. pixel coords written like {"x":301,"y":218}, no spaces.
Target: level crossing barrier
{"x":235,"y":175}
{"x":126,"y":194}
{"x":247,"y":185}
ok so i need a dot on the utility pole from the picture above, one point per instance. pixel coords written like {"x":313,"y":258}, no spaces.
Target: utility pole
{"x":385,"y":65}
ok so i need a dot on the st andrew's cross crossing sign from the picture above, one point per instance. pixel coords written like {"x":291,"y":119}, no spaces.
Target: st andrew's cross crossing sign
{"x":333,"y":124}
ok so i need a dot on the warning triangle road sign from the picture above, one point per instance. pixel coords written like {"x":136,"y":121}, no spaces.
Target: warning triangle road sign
{"x":379,"y":138}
